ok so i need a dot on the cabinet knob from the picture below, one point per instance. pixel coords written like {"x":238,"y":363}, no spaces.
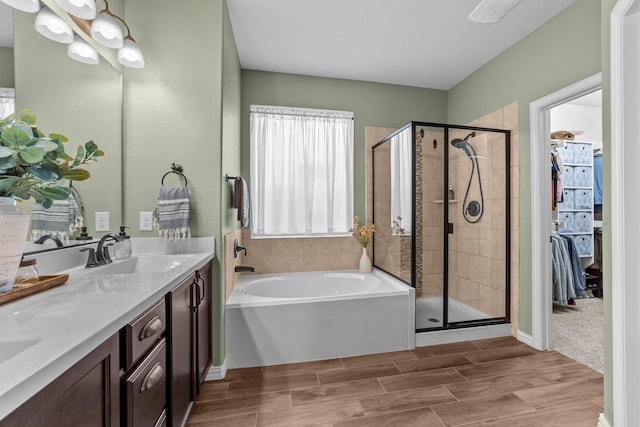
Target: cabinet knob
{"x":152,"y":378}
{"x":151,"y":328}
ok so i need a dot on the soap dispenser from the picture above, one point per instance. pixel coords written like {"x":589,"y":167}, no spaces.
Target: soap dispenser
{"x":122,"y":248}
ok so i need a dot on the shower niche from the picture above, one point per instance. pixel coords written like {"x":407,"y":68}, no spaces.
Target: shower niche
{"x":441,"y":202}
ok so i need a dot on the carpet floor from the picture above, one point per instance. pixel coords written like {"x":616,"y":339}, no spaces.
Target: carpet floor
{"x":577,"y":332}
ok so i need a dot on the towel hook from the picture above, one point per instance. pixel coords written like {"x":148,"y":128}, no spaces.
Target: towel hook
{"x":177,"y":169}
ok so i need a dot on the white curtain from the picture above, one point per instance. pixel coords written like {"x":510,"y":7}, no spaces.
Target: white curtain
{"x":301,"y":171}
{"x":401,"y":180}
{"x":7,"y":102}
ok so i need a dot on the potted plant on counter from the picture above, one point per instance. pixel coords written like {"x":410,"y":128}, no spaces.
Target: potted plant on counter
{"x":32,"y":165}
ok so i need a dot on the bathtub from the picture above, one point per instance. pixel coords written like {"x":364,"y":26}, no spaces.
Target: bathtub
{"x":273,"y":319}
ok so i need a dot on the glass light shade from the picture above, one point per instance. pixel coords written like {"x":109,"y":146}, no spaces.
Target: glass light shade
{"x":130,"y":54}
{"x":53,"y":27}
{"x":85,"y":9}
{"x":106,"y":31}
{"x":81,"y":51}
{"x":31,"y":6}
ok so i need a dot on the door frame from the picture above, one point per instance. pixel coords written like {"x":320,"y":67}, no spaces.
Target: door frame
{"x":540,"y":125}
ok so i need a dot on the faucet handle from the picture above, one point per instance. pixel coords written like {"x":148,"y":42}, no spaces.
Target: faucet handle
{"x":105,"y":254}
{"x":91,"y":260}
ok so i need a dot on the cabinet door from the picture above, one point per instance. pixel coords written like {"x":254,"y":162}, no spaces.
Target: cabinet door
{"x":88,"y":394}
{"x":181,"y":361}
{"x":203,"y":325}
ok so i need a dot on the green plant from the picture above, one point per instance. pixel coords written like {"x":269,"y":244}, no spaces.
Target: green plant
{"x":33,"y":164}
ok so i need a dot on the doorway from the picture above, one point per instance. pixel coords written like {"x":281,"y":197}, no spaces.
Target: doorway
{"x":541,"y":215}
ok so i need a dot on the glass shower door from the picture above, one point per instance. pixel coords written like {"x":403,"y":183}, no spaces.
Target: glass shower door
{"x":477,"y":227}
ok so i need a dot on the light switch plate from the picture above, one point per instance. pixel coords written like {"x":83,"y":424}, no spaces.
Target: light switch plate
{"x":102,"y":221}
{"x":146,"y":223}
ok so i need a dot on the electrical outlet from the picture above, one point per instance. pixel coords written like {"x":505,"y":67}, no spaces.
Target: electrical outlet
{"x":146,"y":223}
{"x":102,"y":221}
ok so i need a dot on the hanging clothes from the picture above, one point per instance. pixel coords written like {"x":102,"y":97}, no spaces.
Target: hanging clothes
{"x":569,"y":277}
{"x":556,"y":179}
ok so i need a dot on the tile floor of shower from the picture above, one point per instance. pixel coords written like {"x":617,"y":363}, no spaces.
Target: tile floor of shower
{"x":429,"y":312}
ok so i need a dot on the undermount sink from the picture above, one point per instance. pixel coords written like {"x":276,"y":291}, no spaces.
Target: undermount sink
{"x":9,"y":349}
{"x":142,"y":264}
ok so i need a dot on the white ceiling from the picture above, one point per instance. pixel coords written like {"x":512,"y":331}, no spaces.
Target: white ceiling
{"x":423,"y":43}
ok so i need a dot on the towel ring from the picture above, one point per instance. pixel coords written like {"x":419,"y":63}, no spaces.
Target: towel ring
{"x":177,"y":169}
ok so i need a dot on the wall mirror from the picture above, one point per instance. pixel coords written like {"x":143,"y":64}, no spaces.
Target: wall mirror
{"x":83,"y":102}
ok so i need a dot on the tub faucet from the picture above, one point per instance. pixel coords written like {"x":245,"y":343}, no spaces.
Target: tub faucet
{"x":46,"y":237}
{"x":102,"y":251}
{"x":244,"y":269}
{"x":237,"y":248}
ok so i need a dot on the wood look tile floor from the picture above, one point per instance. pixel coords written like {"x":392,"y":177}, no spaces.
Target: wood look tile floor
{"x":497,"y":382}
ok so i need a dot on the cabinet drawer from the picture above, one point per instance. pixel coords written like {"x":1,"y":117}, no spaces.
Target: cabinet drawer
{"x":142,"y":333}
{"x":146,"y":389}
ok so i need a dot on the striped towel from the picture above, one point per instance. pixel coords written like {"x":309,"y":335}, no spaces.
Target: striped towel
{"x":171,"y":215}
{"x":60,"y":220}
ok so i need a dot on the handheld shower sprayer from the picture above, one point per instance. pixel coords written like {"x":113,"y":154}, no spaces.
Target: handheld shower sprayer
{"x":471,"y":211}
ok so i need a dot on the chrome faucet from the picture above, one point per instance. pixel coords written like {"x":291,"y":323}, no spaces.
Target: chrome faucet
{"x":46,"y":237}
{"x":102,"y":251}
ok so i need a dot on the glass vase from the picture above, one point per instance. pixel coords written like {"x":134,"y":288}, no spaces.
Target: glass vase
{"x":14,"y":225}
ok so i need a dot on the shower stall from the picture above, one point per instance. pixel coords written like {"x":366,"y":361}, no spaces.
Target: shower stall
{"x":441,"y":202}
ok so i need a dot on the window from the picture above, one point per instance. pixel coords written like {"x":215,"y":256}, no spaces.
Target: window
{"x":301,"y":171}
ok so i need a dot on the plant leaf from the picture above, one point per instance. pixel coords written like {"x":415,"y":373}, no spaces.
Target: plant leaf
{"x":27,"y":116}
{"x":5,"y":152}
{"x":45,"y":174}
{"x":15,"y":136}
{"x":7,"y":182}
{"x":59,"y":137}
{"x":55,"y":192}
{"x":80,"y":154}
{"x":32,"y":154}
{"x":47,"y":145}
{"x":77,"y":174}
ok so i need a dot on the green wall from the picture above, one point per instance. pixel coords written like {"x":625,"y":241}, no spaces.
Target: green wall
{"x":373,"y":104}
{"x":231,"y":151}
{"x":562,"y":52}
{"x":6,"y":67}
{"x":179,"y":108}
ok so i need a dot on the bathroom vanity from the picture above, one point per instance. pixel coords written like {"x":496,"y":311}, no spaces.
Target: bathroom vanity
{"x":127,"y":344}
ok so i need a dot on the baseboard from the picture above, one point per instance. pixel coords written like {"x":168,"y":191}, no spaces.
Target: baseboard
{"x":463,"y":334}
{"x":525,"y":338}
{"x":602,"y":421}
{"x":217,"y":372}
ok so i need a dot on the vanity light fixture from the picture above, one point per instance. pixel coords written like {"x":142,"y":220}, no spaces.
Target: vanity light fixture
{"x":130,"y":54}
{"x":53,"y":27}
{"x":81,"y":51}
{"x":490,"y":11}
{"x":85,"y":9}
{"x":105,"y":30}
{"x":30,"y":6}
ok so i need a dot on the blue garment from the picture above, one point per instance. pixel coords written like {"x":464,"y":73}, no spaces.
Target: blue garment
{"x":597,"y":180}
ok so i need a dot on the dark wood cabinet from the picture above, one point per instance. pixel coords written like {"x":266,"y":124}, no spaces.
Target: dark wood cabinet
{"x":189,"y":336}
{"x":85,"y":395}
{"x":148,"y":374}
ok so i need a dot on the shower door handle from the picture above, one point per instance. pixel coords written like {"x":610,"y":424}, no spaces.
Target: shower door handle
{"x":450,"y":227}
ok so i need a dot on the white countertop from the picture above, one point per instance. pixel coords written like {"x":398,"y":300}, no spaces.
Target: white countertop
{"x":54,"y":329}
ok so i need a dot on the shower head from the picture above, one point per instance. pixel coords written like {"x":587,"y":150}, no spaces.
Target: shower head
{"x":463,"y":144}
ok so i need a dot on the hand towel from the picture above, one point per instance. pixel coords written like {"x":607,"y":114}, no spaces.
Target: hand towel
{"x":60,"y":220}
{"x":241,"y":200}
{"x":171,"y":215}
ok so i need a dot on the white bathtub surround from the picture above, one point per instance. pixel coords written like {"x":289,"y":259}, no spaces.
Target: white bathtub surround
{"x":293,"y":317}
{"x":429,"y":312}
{"x":462,"y":334}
